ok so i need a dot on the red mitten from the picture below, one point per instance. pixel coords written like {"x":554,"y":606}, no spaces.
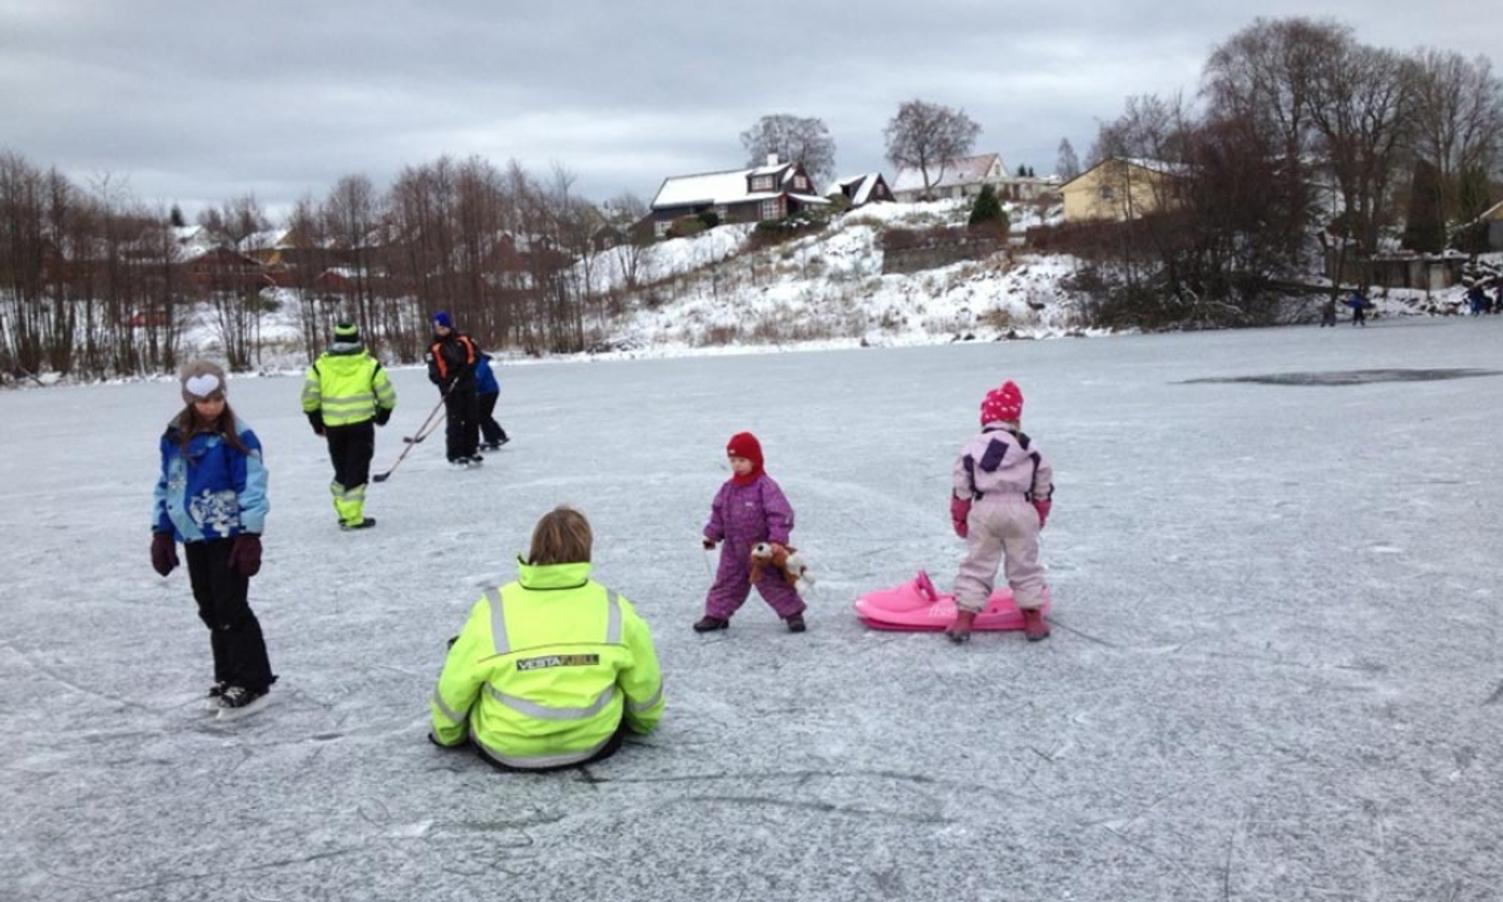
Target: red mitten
{"x":960,"y":508}
{"x":1043,"y":508}
{"x":245,"y":554}
{"x":163,"y":552}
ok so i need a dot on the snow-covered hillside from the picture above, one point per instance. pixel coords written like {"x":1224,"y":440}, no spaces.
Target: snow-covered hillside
{"x":713,"y":294}
{"x":828,"y":287}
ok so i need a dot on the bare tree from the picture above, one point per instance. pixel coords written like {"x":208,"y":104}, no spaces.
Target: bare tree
{"x":1457,"y":118}
{"x":1264,"y":78}
{"x":1359,"y":108}
{"x":797,"y":139}
{"x":623,"y":212}
{"x":1068,"y":165}
{"x":351,"y":214}
{"x":929,"y":137}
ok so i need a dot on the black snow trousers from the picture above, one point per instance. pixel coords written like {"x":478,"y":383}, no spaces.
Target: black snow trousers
{"x":350,"y":450}
{"x":488,"y":425}
{"x":234,"y":632}
{"x":462,"y":434}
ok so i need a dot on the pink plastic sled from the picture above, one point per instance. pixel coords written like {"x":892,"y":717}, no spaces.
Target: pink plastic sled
{"x":915,"y":605}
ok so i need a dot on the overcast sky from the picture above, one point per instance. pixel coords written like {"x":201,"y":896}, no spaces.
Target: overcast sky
{"x":197,"y":102}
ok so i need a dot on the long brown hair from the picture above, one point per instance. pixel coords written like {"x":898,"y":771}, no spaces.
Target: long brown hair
{"x":561,"y":537}
{"x":188,"y":425}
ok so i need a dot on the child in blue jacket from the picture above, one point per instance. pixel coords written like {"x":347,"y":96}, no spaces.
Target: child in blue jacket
{"x":211,"y":496}
{"x":487,"y":391}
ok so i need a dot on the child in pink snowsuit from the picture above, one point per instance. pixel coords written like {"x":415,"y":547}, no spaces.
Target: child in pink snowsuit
{"x":748,"y":509}
{"x":1003,"y":490}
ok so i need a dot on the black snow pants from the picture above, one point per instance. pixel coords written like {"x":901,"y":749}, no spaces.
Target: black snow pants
{"x":350,"y":450}
{"x":234,"y":632}
{"x":462,"y":433}
{"x":488,"y":425}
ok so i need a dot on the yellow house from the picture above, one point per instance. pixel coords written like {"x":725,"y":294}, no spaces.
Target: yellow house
{"x":1120,"y":188}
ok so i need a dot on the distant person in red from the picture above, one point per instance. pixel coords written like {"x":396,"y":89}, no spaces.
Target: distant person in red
{"x":451,"y":366}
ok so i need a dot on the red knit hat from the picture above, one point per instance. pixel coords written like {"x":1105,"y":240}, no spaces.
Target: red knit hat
{"x":744,"y":444}
{"x":1002,"y":404}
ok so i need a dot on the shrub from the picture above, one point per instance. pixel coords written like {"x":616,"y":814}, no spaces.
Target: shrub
{"x":709,"y":218}
{"x":795,"y":225}
{"x":685,"y":226}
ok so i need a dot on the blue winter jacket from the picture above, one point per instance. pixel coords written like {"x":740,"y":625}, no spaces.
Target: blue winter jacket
{"x":212,"y":492}
{"x":485,"y":380}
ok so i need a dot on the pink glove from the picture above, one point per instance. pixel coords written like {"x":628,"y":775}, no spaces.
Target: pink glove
{"x":1043,"y":508}
{"x":960,"y":508}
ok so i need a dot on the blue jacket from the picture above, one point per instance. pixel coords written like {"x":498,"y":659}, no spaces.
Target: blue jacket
{"x":214,"y":492}
{"x":485,"y":380}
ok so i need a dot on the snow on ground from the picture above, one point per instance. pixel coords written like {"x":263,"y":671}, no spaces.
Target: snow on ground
{"x":829,"y":287}
{"x":1274,"y":675}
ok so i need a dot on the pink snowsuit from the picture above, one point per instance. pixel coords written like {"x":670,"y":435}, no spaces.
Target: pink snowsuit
{"x":742,"y":516}
{"x":1003,"y":473}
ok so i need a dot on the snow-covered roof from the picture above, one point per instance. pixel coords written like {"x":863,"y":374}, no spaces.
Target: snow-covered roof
{"x":864,"y":183}
{"x":958,"y":172}
{"x":262,"y":240}
{"x":728,"y":187}
{"x":1163,"y":167}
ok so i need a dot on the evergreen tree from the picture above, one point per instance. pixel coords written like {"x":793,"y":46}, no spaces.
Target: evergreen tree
{"x":1022,"y":170}
{"x":1425,"y":227}
{"x":987,"y":210}
{"x":176,"y":217}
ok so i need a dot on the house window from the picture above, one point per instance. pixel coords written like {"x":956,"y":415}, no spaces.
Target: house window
{"x":771,"y":209}
{"x":1107,"y":193}
{"x":800,"y":183}
{"x":762,"y":183}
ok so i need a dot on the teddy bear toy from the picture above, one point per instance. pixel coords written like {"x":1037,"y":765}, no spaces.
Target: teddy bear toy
{"x":787,"y":561}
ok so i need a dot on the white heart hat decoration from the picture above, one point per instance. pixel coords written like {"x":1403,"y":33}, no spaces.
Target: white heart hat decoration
{"x":203,"y":385}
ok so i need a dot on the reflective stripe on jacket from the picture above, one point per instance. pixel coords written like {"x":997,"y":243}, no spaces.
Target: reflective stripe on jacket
{"x":545,"y":670}
{"x":347,"y":384}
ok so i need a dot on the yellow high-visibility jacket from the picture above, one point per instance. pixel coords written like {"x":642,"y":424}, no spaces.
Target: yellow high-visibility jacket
{"x":546,"y":669}
{"x":347,"y":384}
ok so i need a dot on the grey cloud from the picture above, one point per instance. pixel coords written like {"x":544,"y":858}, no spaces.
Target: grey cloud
{"x":199,"y":102}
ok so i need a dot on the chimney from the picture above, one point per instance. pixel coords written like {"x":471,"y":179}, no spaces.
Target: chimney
{"x":772,"y":159}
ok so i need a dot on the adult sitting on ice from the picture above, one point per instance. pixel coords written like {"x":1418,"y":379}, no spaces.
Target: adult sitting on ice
{"x":549,"y":671}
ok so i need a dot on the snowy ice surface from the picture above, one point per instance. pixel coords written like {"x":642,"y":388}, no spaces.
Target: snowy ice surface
{"x":1275,"y":671}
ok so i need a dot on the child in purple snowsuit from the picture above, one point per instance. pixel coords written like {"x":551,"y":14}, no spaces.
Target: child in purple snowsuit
{"x":1003,"y":490}
{"x":748,"y":509}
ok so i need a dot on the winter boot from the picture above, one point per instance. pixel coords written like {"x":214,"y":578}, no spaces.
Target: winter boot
{"x":707,"y":624}
{"x":795,"y":623}
{"x":1034,"y":626}
{"x":960,"y":630}
{"x":365,"y":523}
{"x":474,"y":460}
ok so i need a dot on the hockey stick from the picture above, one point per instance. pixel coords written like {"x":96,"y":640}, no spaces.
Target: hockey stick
{"x":386,"y":474}
{"x":423,"y":433}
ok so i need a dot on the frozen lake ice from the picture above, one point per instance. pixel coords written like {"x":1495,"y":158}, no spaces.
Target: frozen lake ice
{"x":1276,"y":670}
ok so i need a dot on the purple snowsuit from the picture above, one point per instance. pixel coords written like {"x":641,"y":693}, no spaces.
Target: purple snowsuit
{"x":742,"y":516}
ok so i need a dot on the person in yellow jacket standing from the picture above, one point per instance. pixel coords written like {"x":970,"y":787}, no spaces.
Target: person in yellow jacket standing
{"x":549,"y":671}
{"x":344,"y":392}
